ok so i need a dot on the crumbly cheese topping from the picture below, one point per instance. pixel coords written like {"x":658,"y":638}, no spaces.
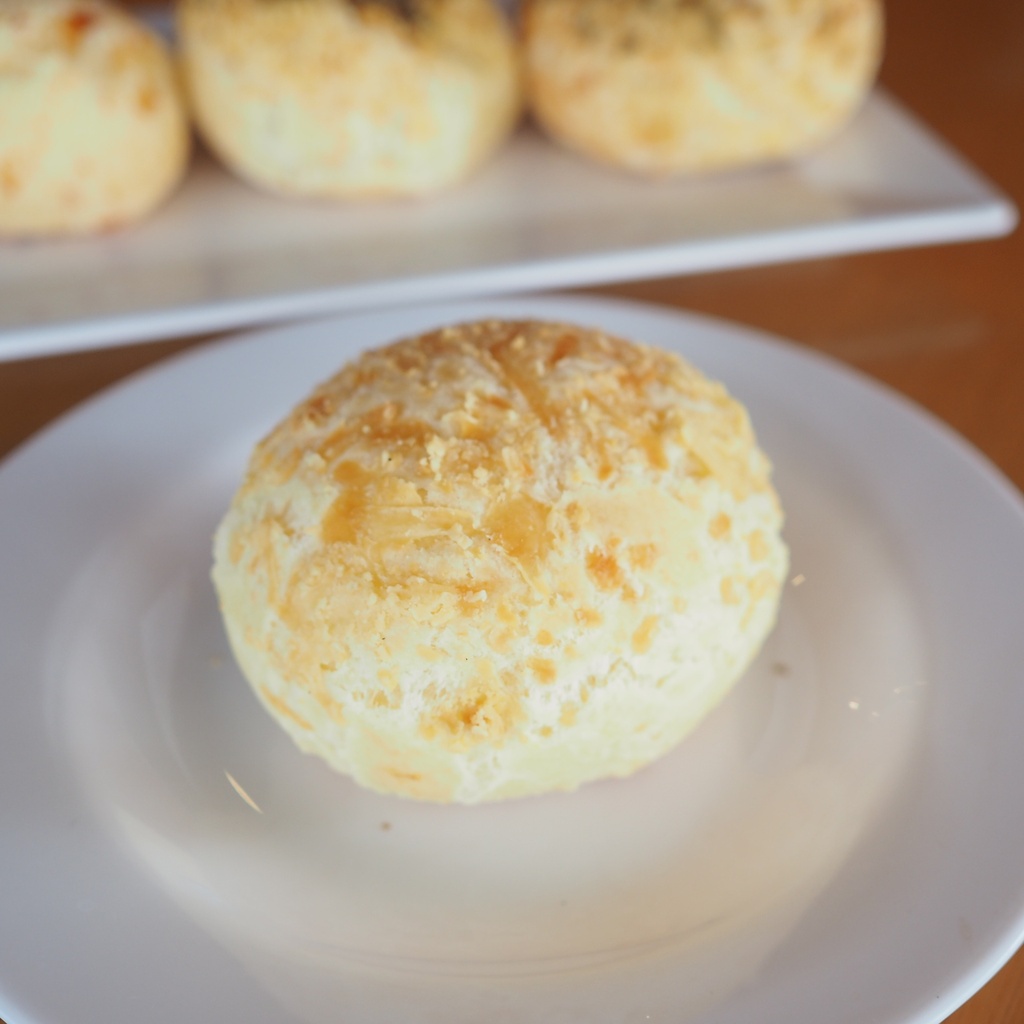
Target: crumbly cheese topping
{"x":478,"y":531}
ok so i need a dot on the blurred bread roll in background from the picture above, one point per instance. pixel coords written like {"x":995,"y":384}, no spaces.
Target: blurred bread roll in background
{"x":93,"y":132}
{"x":340,"y":98}
{"x":499,"y":559}
{"x":667,"y":86}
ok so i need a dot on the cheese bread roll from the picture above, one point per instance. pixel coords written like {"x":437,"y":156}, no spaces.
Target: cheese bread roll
{"x":500,"y":559}
{"x":93,"y":131}
{"x":667,"y":86}
{"x":343,"y":98}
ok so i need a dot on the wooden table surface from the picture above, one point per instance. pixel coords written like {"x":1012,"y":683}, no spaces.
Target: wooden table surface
{"x":943,"y":325}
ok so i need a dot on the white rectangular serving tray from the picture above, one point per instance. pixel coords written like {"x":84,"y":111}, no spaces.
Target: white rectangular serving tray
{"x":223,"y":255}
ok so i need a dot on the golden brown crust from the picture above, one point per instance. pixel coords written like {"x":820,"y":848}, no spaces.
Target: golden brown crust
{"x":93,"y":131}
{"x":661,"y":86}
{"x":337,"y":98}
{"x":477,"y":538}
{"x":502,"y":399}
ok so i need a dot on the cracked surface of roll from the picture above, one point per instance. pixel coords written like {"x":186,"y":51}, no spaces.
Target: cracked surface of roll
{"x":668,"y":86}
{"x":350,"y":98}
{"x":500,"y":559}
{"x":93,"y":131}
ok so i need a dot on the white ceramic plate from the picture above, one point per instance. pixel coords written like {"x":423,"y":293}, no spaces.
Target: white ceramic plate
{"x":839,"y":842}
{"x":222,"y":255}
